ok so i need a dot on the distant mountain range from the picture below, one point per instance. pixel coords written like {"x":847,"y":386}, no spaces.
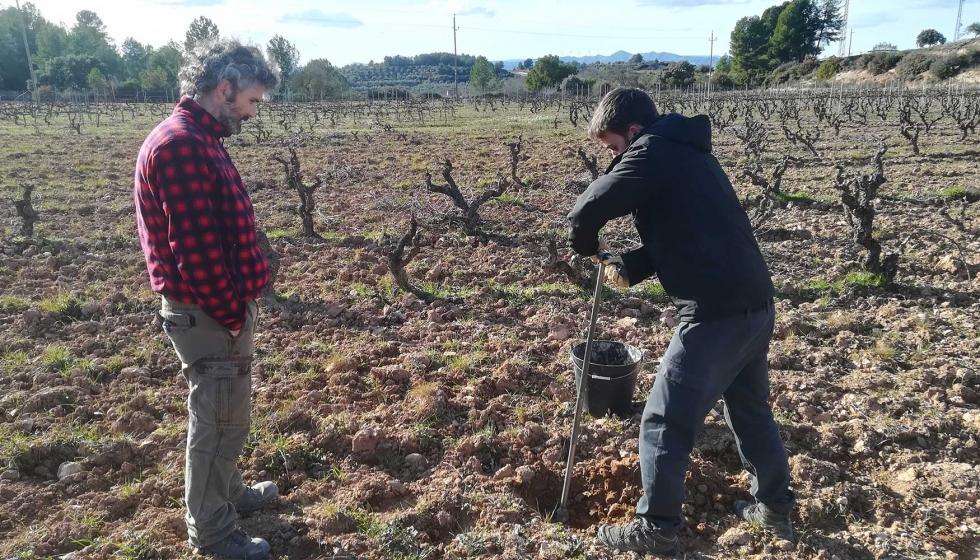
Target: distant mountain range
{"x":622,"y":56}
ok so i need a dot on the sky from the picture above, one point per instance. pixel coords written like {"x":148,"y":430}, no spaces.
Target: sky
{"x":349,"y":31}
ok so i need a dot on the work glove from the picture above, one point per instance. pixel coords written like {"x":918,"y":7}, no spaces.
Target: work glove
{"x":615,"y":267}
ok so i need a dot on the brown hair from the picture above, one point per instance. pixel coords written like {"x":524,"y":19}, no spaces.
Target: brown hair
{"x":621,"y":108}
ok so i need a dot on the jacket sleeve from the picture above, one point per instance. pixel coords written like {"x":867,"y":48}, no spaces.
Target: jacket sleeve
{"x":185,"y":189}
{"x":639,"y":265}
{"x":629,"y":185}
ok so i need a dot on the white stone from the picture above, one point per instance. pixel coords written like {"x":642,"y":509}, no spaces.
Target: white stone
{"x":68,"y":469}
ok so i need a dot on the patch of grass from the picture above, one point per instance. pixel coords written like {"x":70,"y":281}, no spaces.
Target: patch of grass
{"x":509,"y":198}
{"x":368,"y":524}
{"x":824,"y":285}
{"x":794,"y":197}
{"x":468,"y":362}
{"x":129,"y":489}
{"x":421,"y":396}
{"x":12,"y":362}
{"x":959,"y":192}
{"x":13,"y":304}
{"x":57,"y":358}
{"x":520,"y":294}
{"x":884,"y":349}
{"x":280,"y":233}
{"x":64,"y":304}
{"x":87,"y":519}
{"x":653,"y":291}
{"x":13,"y":444}
{"x":133,"y":547}
{"x":862,"y":278}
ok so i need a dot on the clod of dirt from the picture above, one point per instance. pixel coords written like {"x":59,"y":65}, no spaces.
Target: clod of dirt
{"x":367,"y":439}
{"x":504,"y":473}
{"x":734,"y":537}
{"x":51,"y":397}
{"x":68,"y":469}
{"x":416,"y":462}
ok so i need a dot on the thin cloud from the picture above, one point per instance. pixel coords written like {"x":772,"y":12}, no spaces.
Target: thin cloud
{"x":318,"y":18}
{"x":189,"y":3}
{"x":868,"y":20}
{"x":458,"y":7}
{"x":479,"y":11}
{"x":688,"y":3}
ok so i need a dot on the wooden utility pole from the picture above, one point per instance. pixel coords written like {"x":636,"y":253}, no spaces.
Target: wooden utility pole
{"x":711,"y":63}
{"x":850,"y":43}
{"x":455,"y":61}
{"x":27,"y":49}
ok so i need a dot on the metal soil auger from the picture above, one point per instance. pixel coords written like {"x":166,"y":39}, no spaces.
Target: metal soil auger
{"x":611,"y":391}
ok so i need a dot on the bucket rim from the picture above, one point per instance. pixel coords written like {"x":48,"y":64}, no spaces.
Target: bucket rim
{"x":630,"y":349}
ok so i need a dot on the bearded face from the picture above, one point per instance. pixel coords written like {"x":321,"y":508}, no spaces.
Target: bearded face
{"x":239,"y":107}
{"x":231,"y":118}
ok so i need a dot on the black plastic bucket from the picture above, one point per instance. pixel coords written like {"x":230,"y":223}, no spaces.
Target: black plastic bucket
{"x":612,"y":376}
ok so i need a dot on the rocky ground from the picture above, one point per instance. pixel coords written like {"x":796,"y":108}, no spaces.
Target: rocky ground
{"x":403,"y":428}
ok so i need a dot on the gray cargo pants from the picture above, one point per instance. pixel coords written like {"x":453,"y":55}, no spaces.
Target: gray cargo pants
{"x":218,"y":369}
{"x":728,"y":359}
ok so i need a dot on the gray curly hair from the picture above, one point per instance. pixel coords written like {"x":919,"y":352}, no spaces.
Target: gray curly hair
{"x":211,"y":62}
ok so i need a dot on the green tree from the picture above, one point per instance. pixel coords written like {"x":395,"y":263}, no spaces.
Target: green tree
{"x":162,"y":68}
{"x":482,"y":74}
{"x":135,"y":57}
{"x":528,"y":63}
{"x":320,"y":79}
{"x":724,"y":64}
{"x":284,"y":53}
{"x":973,"y":28}
{"x":790,"y":40}
{"x":155,"y":78}
{"x":824,"y":26}
{"x":89,"y":37}
{"x":828,"y":69}
{"x":549,"y":71}
{"x":96,"y":80}
{"x":770,"y":17}
{"x":930,"y":37}
{"x":678,"y":74}
{"x":884,"y":46}
{"x":201,"y":29}
{"x":636,"y":58}
{"x":750,"y":46}
{"x":52,"y":41}
{"x":14,"y":69}
{"x":71,"y":71}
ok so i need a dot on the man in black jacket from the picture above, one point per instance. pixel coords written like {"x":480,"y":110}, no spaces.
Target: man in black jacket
{"x":698,"y":241}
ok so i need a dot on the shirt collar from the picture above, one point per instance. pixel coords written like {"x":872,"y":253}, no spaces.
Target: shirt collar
{"x":200,"y":116}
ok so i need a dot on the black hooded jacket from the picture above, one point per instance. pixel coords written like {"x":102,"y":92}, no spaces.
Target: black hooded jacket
{"x":696,"y":236}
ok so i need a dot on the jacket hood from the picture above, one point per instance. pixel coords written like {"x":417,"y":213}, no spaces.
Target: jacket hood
{"x":695,"y":131}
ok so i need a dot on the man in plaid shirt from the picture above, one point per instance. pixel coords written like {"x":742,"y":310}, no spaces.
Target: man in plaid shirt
{"x":197,"y":230}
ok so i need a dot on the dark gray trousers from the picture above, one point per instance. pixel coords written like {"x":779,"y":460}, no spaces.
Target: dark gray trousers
{"x":720,"y":359}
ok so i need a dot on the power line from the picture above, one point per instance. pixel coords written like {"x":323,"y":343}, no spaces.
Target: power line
{"x":502,"y":30}
{"x":524,"y":21}
{"x":497,"y":30}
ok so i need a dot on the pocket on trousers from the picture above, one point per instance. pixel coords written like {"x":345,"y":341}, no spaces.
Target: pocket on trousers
{"x":243,"y":345}
{"x":229,"y":390}
{"x":176,"y":323}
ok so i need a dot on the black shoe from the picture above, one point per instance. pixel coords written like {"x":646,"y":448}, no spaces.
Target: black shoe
{"x":238,"y":546}
{"x":256,"y":497}
{"x":642,"y":535}
{"x":759,"y":514}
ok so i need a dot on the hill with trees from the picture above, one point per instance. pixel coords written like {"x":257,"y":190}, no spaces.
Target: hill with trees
{"x":411,"y":71}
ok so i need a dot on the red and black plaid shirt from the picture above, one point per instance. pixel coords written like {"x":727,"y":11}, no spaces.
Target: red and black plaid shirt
{"x":196,"y":222}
